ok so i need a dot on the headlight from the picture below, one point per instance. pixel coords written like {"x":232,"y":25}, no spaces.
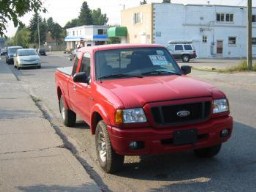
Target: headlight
{"x":135,"y":115}
{"x":220,"y":105}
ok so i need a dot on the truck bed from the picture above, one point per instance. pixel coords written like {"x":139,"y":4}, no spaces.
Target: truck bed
{"x":65,"y":70}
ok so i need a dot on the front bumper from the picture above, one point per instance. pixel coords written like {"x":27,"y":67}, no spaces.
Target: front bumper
{"x":157,"y":141}
{"x":28,"y":65}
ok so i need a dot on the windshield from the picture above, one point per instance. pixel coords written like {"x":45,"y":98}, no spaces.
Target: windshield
{"x":13,"y":50}
{"x":26,"y":52}
{"x":135,"y":62}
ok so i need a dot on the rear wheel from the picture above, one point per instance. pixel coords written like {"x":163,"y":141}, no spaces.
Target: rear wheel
{"x":185,"y":58}
{"x":108,"y":159}
{"x":208,"y":152}
{"x":68,"y":116}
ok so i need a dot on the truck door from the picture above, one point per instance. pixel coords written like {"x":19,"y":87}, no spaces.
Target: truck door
{"x":82,"y":91}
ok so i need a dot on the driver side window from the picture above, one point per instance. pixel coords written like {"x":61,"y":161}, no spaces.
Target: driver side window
{"x":85,"y":65}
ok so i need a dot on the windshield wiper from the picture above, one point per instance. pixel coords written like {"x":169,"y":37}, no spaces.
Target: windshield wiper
{"x":120,"y":75}
{"x":160,"y":72}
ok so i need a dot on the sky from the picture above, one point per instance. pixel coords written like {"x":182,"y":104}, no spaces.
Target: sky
{"x":63,"y":11}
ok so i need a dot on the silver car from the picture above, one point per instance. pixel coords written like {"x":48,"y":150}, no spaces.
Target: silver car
{"x":25,"y":58}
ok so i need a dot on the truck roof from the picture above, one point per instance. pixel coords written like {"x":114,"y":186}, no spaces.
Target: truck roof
{"x":116,"y":46}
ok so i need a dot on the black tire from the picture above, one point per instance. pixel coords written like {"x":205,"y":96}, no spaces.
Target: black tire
{"x":108,"y":159}
{"x":68,"y":116}
{"x":208,"y":152}
{"x":185,"y":58}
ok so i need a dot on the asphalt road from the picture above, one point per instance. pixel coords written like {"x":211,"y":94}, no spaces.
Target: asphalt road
{"x":233,"y":169}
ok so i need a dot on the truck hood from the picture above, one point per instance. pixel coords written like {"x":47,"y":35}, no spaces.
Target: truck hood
{"x":134,"y":92}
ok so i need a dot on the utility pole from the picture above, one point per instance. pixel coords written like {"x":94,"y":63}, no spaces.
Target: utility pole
{"x":38,"y":30}
{"x":249,"y":34}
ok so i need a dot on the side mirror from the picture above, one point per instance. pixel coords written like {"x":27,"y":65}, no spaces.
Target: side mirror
{"x":81,"y":77}
{"x":186,"y":69}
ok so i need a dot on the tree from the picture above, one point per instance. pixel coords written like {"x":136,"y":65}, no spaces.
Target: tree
{"x":14,"y":9}
{"x":85,"y":17}
{"x":55,"y":29}
{"x":33,"y":27}
{"x":72,"y":23}
{"x":22,"y":37}
{"x":88,"y":17}
{"x":98,"y":18}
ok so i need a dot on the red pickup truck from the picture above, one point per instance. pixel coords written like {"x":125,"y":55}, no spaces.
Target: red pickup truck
{"x":137,"y":101}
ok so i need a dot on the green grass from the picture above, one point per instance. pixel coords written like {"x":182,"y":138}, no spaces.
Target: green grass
{"x":239,"y":68}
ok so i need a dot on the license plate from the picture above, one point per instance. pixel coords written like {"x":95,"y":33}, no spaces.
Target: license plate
{"x":183,"y":137}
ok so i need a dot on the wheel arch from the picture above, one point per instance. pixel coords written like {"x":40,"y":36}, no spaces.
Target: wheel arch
{"x":99,"y":113}
{"x":96,"y":117}
{"x":59,"y":92}
{"x":59,"y":95}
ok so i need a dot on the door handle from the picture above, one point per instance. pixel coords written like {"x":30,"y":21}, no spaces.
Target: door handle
{"x":74,"y":87}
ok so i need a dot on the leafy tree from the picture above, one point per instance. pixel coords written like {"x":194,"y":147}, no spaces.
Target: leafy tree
{"x":55,"y":29}
{"x":22,"y":37}
{"x":85,"y":17}
{"x":43,"y":31}
{"x":50,"y":23}
{"x":88,"y":17}
{"x":98,"y":18}
{"x":72,"y":23}
{"x":33,"y":27}
{"x":14,"y":9}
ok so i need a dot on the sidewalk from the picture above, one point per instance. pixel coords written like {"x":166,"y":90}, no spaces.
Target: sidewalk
{"x":32,"y":156}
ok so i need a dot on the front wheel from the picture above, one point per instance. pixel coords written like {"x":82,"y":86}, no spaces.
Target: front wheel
{"x":185,"y":58}
{"x":68,"y":116}
{"x":208,"y":152}
{"x":108,"y":159}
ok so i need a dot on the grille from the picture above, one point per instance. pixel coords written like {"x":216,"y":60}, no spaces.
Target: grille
{"x":194,"y":112}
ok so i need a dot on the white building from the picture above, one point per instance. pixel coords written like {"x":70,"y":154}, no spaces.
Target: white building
{"x":88,"y":35}
{"x":215,"y":30}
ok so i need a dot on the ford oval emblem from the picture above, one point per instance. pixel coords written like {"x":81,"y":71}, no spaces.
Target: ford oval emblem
{"x":183,"y":113}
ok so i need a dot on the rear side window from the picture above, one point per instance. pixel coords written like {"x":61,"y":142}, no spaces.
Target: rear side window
{"x":188,"y":47}
{"x":178,"y":47}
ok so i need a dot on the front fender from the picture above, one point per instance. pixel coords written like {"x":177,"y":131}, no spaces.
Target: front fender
{"x":100,"y":113}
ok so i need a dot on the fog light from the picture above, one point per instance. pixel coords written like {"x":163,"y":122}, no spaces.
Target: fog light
{"x":136,"y":145}
{"x":224,"y":133}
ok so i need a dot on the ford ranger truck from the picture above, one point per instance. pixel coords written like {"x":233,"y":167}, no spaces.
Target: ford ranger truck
{"x":137,"y":101}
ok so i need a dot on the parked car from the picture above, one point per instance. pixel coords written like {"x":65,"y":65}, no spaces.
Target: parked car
{"x":182,"y":50}
{"x":26,"y":58}
{"x":3,"y":51}
{"x":11,"y":51}
{"x":42,"y":51}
